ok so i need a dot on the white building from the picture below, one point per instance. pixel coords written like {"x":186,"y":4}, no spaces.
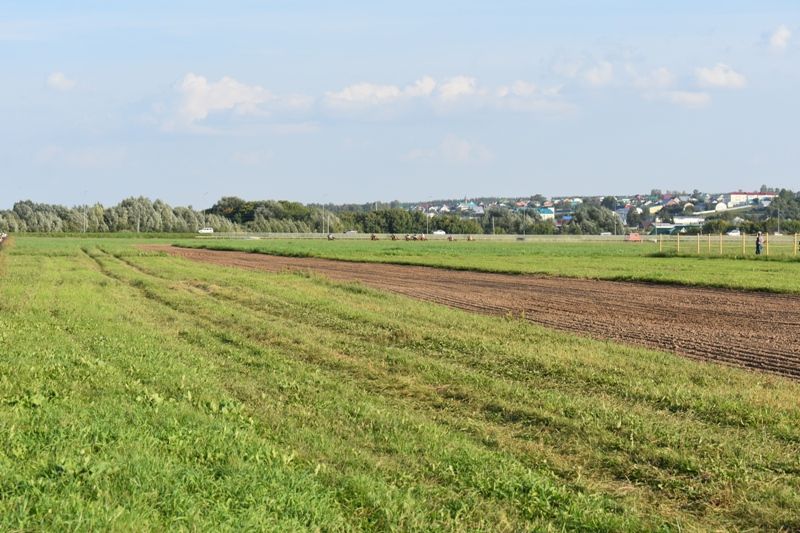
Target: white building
{"x":734,"y":199}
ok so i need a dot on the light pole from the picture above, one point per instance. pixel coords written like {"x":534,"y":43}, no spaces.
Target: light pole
{"x":205,"y":195}
{"x":84,"y":211}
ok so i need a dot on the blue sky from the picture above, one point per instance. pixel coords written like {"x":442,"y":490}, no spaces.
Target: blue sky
{"x":358,"y":101}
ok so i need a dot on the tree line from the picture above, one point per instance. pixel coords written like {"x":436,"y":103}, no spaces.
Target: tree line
{"x":232,"y":214}
{"x":132,"y":214}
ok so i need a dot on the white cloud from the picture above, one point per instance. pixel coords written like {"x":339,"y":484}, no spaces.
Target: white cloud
{"x":365,"y":93}
{"x":454,"y":149}
{"x":452,"y":95}
{"x":525,"y":96}
{"x":518,"y":88}
{"x":720,"y":76}
{"x":370,"y":94}
{"x":568,"y":68}
{"x":457,"y":87}
{"x":199,"y":98}
{"x":600,"y":75}
{"x":660,"y":78}
{"x":779,"y":39}
{"x":688,"y":99}
{"x":421,"y":87}
{"x":461,"y":150}
{"x":60,"y":82}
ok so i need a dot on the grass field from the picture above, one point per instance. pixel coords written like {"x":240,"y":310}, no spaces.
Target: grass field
{"x":144,"y":392}
{"x":594,"y":260}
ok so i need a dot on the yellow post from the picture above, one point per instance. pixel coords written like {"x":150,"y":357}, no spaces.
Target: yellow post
{"x":660,"y":243}
{"x":679,"y":242}
{"x":744,"y":243}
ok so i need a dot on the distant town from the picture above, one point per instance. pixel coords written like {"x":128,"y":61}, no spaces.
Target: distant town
{"x":671,"y":212}
{"x":656,"y":213}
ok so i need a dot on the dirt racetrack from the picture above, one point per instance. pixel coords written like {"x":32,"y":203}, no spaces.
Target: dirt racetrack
{"x":760,"y":331}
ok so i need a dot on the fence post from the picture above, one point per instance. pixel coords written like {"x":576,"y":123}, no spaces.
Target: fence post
{"x":709,"y":244}
{"x":795,"y":244}
{"x":744,"y":243}
{"x":679,"y":243}
{"x":766,"y":242}
{"x":720,"y":244}
{"x":698,"y":244}
{"x":661,"y":243}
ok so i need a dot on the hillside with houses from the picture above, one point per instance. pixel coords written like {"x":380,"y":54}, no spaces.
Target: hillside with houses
{"x":653,"y":213}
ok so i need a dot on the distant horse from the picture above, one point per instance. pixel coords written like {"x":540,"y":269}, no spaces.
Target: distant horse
{"x":373,"y":237}
{"x":394,"y":237}
{"x":331,"y":237}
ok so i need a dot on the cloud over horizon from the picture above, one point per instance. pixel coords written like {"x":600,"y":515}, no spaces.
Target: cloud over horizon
{"x":779,"y":40}
{"x":453,"y":149}
{"x":59,"y":82}
{"x":720,"y":76}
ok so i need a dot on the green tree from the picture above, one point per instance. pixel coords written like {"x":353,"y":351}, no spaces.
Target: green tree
{"x":609,"y":202}
{"x":634,"y":218}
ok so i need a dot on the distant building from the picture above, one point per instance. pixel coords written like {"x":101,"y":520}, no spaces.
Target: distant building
{"x":688,"y":221}
{"x":546,"y":213}
{"x":734,"y":199}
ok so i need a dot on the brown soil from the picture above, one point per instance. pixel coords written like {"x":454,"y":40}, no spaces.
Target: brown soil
{"x":760,"y":331}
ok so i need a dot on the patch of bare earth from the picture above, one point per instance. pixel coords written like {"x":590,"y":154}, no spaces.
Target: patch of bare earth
{"x":760,"y":331}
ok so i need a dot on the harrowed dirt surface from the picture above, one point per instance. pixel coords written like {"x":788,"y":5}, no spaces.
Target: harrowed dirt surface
{"x":760,"y":331}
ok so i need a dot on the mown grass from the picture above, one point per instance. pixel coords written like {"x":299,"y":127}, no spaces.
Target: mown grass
{"x":607,"y":260}
{"x":140,"y":391}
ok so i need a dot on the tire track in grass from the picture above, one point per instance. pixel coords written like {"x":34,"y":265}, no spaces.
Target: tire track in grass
{"x":592,"y":380}
{"x":757,"y":331}
{"x":335,"y":363}
{"x":518,"y":420}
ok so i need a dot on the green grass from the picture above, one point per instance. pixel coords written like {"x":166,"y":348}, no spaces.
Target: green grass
{"x":144,"y":392}
{"x":605,"y":260}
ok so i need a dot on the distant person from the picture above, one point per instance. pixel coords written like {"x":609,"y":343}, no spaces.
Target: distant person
{"x":759,"y":243}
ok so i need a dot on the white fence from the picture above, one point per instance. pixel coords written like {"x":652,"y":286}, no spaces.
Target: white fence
{"x":730,"y":245}
{"x":429,"y":236}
